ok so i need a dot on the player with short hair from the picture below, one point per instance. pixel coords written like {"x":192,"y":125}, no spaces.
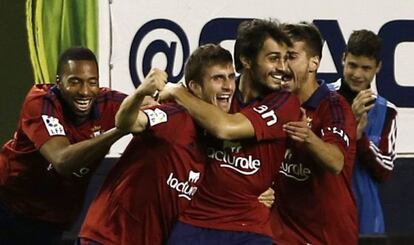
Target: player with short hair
{"x":251,"y":143}
{"x":376,"y":127}
{"x":314,"y":203}
{"x":162,"y":167}
{"x":63,"y":133}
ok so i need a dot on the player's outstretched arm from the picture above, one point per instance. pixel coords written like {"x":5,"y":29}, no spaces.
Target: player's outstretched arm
{"x":219,"y":123}
{"x":77,"y":159}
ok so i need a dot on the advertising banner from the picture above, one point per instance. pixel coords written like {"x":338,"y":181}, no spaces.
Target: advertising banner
{"x":136,"y":35}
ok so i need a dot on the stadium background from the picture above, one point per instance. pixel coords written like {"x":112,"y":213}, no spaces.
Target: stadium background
{"x":134,"y":32}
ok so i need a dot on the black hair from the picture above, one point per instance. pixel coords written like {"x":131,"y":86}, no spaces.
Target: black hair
{"x":307,"y":33}
{"x":364,"y":43}
{"x":74,"y":53}
{"x":250,"y":39}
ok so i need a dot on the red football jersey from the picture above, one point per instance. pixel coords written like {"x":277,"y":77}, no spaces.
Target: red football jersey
{"x":154,"y":180}
{"x":315,"y":205}
{"x":239,"y":171}
{"x":28,"y":184}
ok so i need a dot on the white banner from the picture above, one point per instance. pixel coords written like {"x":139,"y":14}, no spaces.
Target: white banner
{"x":136,"y":35}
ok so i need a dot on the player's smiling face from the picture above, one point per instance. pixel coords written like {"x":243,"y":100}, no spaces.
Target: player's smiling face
{"x":359,"y":71}
{"x":79,"y":86}
{"x":270,"y":64}
{"x":218,"y":85}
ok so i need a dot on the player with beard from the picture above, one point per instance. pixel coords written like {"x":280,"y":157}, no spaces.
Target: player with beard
{"x":159,"y":172}
{"x":314,"y":195}
{"x":225,"y":210}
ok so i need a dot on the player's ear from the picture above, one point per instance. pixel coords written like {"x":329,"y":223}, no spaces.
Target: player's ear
{"x":195,"y":88}
{"x":343,"y":59}
{"x":314,"y":64}
{"x":378,"y":67}
{"x":247,"y":64}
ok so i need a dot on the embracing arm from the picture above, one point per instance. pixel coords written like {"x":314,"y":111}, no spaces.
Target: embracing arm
{"x":69,"y":159}
{"x":219,"y":123}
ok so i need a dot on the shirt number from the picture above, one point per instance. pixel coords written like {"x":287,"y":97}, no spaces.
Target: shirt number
{"x":266,"y":114}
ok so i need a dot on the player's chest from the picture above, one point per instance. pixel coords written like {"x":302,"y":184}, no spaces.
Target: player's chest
{"x":86,"y":131}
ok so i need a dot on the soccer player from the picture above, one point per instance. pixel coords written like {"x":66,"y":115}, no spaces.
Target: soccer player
{"x":160,"y":171}
{"x":225,"y":210}
{"x":376,"y":127}
{"x":314,"y":201}
{"x":63,"y":132}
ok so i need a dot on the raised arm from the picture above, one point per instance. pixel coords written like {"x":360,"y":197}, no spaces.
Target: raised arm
{"x":379,"y":160}
{"x":77,"y":159}
{"x":219,"y":123}
{"x":129,"y":117}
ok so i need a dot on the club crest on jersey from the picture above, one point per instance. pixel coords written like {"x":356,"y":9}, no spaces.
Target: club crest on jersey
{"x":96,"y":130}
{"x":245,"y":165}
{"x":53,"y":125}
{"x":296,"y":171}
{"x":156,"y":116}
{"x":186,"y":189}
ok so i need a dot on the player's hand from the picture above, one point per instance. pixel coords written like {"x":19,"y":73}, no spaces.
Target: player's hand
{"x":153,"y":82}
{"x":148,"y":101}
{"x":267,"y":198}
{"x":301,"y":130}
{"x":362,"y":124}
{"x":363,"y":103}
{"x":169,"y":90}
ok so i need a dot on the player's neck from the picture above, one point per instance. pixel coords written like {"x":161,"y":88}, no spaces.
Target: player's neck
{"x":307,"y":89}
{"x":247,"y":89}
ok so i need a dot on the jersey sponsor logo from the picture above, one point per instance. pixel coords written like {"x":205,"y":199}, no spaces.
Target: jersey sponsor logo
{"x":297,"y":171}
{"x":186,"y":189}
{"x":266,"y":114}
{"x":341,"y":133}
{"x":245,"y":165}
{"x":156,"y":116}
{"x":53,"y":125}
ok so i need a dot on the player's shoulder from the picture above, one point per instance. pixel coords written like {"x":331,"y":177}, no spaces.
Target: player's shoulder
{"x":171,"y":108}
{"x":335,"y":98}
{"x":107,"y":94}
{"x":279,"y":98}
{"x":167,"y":112}
{"x":337,"y":106}
{"x":40,"y":90}
{"x":391,"y":107}
{"x":40,"y":94}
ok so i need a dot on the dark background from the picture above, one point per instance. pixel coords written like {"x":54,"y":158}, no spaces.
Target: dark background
{"x":15,"y":68}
